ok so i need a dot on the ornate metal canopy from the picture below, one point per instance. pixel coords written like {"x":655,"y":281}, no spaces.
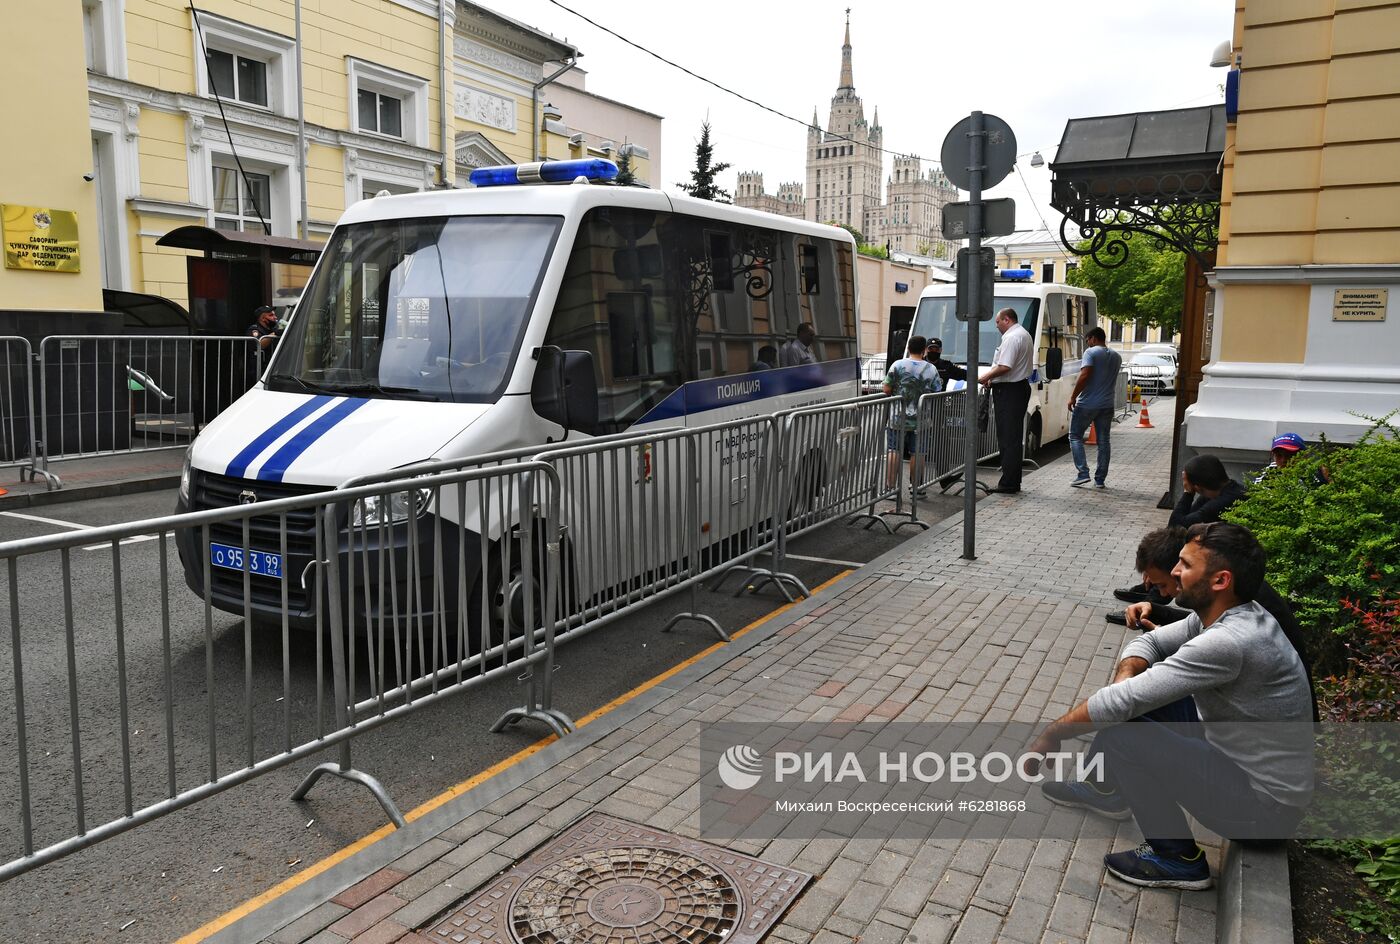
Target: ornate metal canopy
{"x":1156,"y":173}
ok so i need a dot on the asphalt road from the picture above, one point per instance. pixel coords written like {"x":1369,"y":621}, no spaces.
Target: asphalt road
{"x":170,"y":876}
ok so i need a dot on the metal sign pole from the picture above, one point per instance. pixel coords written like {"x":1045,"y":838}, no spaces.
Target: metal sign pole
{"x":977,"y":137}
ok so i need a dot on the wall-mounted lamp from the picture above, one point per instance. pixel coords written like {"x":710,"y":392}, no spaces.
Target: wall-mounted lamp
{"x":1223,"y":56}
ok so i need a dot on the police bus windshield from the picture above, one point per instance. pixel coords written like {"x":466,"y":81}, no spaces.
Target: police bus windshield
{"x":936,"y":318}
{"x":425,"y":309}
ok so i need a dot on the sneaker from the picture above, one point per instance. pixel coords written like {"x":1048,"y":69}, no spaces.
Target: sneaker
{"x":1087,"y":797}
{"x":1134,"y":594}
{"x":1100,"y":485}
{"x":1146,"y":868}
{"x":1080,"y":482}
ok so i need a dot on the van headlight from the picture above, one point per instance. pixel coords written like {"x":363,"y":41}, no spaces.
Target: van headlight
{"x":185,"y":475}
{"x":393,"y":508}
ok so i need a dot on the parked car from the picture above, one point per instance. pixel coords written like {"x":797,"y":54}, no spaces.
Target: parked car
{"x":1153,"y":372}
{"x":872,"y":373}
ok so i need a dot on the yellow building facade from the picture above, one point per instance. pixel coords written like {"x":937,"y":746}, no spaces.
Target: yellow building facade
{"x":1306,"y":321}
{"x":130,"y":133}
{"x":44,"y":164}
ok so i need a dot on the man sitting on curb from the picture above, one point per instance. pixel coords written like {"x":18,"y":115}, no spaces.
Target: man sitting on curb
{"x":1206,"y":491}
{"x":1231,"y":659}
{"x":1157,"y":554}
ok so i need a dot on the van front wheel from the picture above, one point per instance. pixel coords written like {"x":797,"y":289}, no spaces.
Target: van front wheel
{"x":1032,"y":437}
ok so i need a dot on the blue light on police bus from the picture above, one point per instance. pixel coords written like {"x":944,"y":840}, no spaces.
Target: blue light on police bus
{"x":1026,"y":274}
{"x":591,"y":168}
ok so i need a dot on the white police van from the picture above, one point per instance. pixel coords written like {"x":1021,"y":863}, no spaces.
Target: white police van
{"x":1055,"y":315}
{"x":447,"y":325}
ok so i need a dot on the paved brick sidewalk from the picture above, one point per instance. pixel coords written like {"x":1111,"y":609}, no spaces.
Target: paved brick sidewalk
{"x":1016,"y":635}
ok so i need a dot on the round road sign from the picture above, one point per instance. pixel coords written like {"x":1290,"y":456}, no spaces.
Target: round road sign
{"x":998,"y":156}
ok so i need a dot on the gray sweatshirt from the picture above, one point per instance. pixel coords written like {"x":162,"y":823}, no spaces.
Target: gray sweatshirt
{"x":1242,"y":669}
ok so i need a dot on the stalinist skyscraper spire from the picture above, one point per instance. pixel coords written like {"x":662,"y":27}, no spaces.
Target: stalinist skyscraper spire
{"x":846,"y":176}
{"x":847,"y":83}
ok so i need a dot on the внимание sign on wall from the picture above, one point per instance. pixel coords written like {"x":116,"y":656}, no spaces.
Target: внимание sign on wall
{"x":1359,"y":304}
{"x":40,"y":238}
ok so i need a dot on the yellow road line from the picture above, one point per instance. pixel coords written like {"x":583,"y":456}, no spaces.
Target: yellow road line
{"x":340,"y":855}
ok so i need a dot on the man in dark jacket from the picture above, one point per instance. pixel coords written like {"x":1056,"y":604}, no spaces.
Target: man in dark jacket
{"x":947,"y":370}
{"x":1206,"y":491}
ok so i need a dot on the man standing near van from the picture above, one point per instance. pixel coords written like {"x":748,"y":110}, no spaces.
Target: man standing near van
{"x":1008,"y":382}
{"x":1091,"y":401}
{"x":947,"y":370}
{"x":264,"y":327}
{"x":910,"y":378}
{"x":798,"y":351}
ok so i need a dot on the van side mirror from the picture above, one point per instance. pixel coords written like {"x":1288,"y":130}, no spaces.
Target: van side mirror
{"x":1054,"y":363}
{"x":565,"y":390}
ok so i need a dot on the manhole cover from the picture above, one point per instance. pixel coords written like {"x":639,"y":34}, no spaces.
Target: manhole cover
{"x":607,"y":881}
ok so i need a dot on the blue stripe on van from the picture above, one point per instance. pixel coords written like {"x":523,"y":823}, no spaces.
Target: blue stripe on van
{"x":274,"y":468}
{"x":700,"y":396}
{"x":245,"y":457}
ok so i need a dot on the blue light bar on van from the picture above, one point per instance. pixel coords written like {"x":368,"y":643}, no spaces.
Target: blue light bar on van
{"x":1016,"y":274}
{"x":550,"y":172}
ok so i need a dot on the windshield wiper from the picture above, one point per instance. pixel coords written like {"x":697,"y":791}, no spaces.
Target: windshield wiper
{"x":303,"y":384}
{"x":400,"y":393}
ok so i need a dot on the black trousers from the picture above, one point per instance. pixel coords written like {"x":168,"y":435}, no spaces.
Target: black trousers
{"x":1010,"y":401}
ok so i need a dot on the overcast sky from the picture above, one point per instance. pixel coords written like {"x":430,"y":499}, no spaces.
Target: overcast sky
{"x":924,"y":64}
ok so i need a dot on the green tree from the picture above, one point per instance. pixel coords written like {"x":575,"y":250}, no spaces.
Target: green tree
{"x":856,"y":234}
{"x":1149,"y":287}
{"x":702,"y":178}
{"x":625,"y":175}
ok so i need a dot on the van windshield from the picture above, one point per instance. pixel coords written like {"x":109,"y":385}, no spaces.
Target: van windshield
{"x":420,"y":309}
{"x":936,"y":318}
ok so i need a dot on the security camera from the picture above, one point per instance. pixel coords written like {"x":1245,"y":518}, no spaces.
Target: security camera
{"x":88,"y":177}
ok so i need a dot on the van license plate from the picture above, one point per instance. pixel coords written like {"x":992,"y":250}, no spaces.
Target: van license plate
{"x":257,"y":562}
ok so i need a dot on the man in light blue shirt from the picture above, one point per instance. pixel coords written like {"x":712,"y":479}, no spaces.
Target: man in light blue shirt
{"x":1092,"y":402}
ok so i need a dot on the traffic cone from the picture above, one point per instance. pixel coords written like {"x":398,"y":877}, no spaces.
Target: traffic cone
{"x":1092,"y":439}
{"x":1143,"y":421}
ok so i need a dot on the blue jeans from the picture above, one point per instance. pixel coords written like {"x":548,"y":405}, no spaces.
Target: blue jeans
{"x":1078,"y":424}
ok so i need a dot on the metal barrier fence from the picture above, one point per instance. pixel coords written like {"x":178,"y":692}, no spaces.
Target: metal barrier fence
{"x":18,"y":435}
{"x":413,"y":590}
{"x":106,"y":742}
{"x":1150,"y":380}
{"x":109,"y":394}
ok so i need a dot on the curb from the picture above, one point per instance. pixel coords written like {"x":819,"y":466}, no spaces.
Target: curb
{"x":74,"y":493}
{"x":1253,"y":901}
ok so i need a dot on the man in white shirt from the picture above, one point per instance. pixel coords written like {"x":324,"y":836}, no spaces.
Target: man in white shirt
{"x":798,"y":351}
{"x":1008,"y":382}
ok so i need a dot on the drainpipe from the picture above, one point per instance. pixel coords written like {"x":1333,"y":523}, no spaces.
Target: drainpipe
{"x":301,"y":125}
{"x":443,"y":88}
{"x":535,"y":105}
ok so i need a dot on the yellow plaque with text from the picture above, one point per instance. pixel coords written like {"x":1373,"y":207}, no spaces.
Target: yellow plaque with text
{"x":40,"y":238}
{"x":1359,"y":304}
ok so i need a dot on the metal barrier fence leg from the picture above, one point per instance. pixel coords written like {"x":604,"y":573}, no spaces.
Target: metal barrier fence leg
{"x":779,"y":499}
{"x":38,"y":447}
{"x":691,"y":527}
{"x":1026,"y":461}
{"x":328,"y":554}
{"x":694,"y":612}
{"x":538,"y":677}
